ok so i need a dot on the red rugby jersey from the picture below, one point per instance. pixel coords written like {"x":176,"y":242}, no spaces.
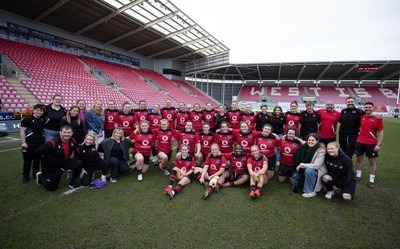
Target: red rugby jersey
{"x":289,"y":149}
{"x":237,"y":164}
{"x":126,"y":122}
{"x":111,"y":117}
{"x":196,"y":118}
{"x":329,"y":120}
{"x":225,"y":141}
{"x":164,"y":139}
{"x":181,"y":118}
{"x":369,"y":128}
{"x":141,"y":114}
{"x":189,"y":138}
{"x":209,"y":117}
{"x":143,"y":142}
{"x":267,"y":145}
{"x":246,"y":140}
{"x":234,"y":118}
{"x":154,"y":120}
{"x":169,"y":114}
{"x":256,"y":164}
{"x":185,"y":164}
{"x":215,"y":163}
{"x":249,"y":118}
{"x":292,"y":120}
{"x":206,"y":140}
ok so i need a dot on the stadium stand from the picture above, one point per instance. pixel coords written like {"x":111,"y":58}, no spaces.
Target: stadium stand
{"x":10,"y":98}
{"x":199,"y":94}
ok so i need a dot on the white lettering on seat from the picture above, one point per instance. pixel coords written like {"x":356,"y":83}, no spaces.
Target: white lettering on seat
{"x":361,"y":92}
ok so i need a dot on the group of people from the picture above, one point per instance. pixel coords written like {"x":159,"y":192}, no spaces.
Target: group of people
{"x":217,"y":147}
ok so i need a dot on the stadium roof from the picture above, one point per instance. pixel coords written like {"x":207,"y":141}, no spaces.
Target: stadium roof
{"x":356,"y":71}
{"x":152,"y":28}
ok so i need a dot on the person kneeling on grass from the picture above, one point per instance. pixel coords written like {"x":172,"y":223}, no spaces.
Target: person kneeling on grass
{"x":340,"y":173}
{"x":214,"y":166}
{"x":310,"y":169}
{"x":236,"y":175}
{"x":88,"y":154}
{"x":184,"y":166}
{"x":257,"y":166}
{"x":57,"y":156}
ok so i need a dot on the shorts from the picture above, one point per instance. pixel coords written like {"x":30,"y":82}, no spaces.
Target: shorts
{"x":169,"y":155}
{"x":271,"y":163}
{"x":368,"y":149}
{"x":326,"y":141}
{"x":287,"y":170}
{"x":234,"y":176}
{"x":146,"y":159}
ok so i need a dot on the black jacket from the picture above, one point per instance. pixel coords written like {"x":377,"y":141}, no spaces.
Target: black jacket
{"x":340,"y":168}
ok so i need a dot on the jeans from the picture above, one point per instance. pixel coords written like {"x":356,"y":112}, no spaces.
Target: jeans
{"x":278,"y":152}
{"x":310,"y":180}
{"x":100,"y":165}
{"x":117,"y":166}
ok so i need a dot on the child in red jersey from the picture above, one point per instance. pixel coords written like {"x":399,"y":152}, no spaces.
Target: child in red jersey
{"x":184,"y":166}
{"x":257,"y":166}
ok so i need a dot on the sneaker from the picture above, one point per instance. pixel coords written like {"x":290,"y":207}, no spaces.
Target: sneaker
{"x":113,"y":179}
{"x":371,"y":185}
{"x":252,"y":194}
{"x":25,"y":180}
{"x":358,"y":178}
{"x":73,"y":185}
{"x":329,"y":195}
{"x":206,"y":194}
{"x":39,"y":178}
{"x":257,"y":193}
{"x":155,"y":159}
{"x":226,"y":184}
{"x":133,"y":166}
{"x":140,"y":177}
{"x":309,"y":195}
{"x":171,"y":194}
{"x":166,"y":172}
{"x":167,"y":189}
{"x":69,"y":174}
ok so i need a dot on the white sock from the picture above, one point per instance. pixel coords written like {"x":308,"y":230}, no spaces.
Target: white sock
{"x":372,"y":178}
{"x":103,"y":178}
{"x":359,"y":173}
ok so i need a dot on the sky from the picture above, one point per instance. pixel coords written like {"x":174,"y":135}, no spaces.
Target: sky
{"x":264,"y":31}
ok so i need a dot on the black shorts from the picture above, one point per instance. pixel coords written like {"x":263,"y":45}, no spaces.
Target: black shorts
{"x":146,"y":159}
{"x":169,"y":155}
{"x":272,"y":163}
{"x":234,"y":176}
{"x":368,"y":149}
{"x":287,"y":170}
{"x":326,"y":141}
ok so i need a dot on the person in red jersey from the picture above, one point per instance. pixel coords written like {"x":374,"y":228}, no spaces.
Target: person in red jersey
{"x":293,"y":117}
{"x":126,"y":119}
{"x":196,"y":116}
{"x":369,"y":142}
{"x":143,"y":139}
{"x":188,"y":137}
{"x":224,"y":138}
{"x":111,"y":115}
{"x":168,"y":113}
{"x":245,"y":137}
{"x":142,"y":112}
{"x":234,"y":116}
{"x":237,"y":173}
{"x":182,"y":116}
{"x":289,"y":147}
{"x":249,"y":117}
{"x":267,"y":142}
{"x":182,"y":171}
{"x":209,"y":116}
{"x":206,"y":139}
{"x":257,"y":165}
{"x":154,"y":117}
{"x":329,"y":118}
{"x":214,"y":166}
{"x":221,"y":116}
{"x":164,"y":136}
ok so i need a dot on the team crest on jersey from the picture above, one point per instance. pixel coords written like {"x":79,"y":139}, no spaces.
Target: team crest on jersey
{"x":169,"y":133}
{"x":354,"y":111}
{"x":297,"y":118}
{"x":229,"y":137}
{"x":217,"y":161}
{"x":191,"y":136}
{"x":130,"y":117}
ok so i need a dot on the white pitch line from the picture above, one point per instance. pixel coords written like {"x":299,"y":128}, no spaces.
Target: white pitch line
{"x":9,"y":150}
{"x":12,"y":138}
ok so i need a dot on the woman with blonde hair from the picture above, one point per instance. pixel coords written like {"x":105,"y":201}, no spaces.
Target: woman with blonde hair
{"x":95,"y":119}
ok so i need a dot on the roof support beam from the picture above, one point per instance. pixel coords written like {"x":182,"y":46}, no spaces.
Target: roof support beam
{"x":197,"y":51}
{"x":148,"y":25}
{"x":259,"y":73}
{"x":391,"y":75}
{"x":372,"y":72}
{"x":324,"y":71}
{"x":51,"y":10}
{"x":177,"y":47}
{"x":279,"y":73}
{"x":240,"y":73}
{"x":300,"y":73}
{"x":108,"y":17}
{"x":347,"y":71}
{"x":161,"y":39}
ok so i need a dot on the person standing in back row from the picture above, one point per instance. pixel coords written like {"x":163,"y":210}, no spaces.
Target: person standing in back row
{"x":349,"y":127}
{"x":369,"y":141}
{"x":329,"y":118}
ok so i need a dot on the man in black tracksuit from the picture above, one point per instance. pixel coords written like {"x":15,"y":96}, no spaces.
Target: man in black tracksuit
{"x":56,"y":158}
{"x":349,"y":127}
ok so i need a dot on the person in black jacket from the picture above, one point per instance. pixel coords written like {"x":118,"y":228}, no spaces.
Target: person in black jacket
{"x":87,"y":152}
{"x":340,"y":173}
{"x":309,"y":121}
{"x":73,"y":119}
{"x":53,"y":113}
{"x":32,"y":137}
{"x":262,"y":118}
{"x":57,"y":156}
